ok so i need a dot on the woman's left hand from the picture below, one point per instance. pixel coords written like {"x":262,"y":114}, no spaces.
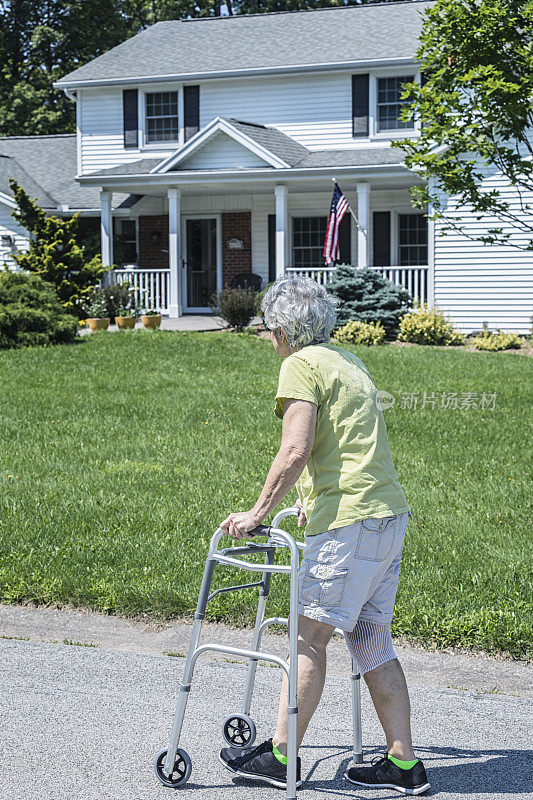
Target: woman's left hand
{"x":238,"y":525}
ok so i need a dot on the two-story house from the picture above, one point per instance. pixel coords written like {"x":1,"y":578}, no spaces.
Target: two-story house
{"x":212,"y":145}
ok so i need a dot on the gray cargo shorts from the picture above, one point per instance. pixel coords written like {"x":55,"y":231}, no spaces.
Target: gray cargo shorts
{"x":351,"y":573}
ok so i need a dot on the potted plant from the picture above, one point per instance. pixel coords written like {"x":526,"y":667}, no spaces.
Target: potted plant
{"x":150,"y":318}
{"x":96,"y":311}
{"x":126,"y":317}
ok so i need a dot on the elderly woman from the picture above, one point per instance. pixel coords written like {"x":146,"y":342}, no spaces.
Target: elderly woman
{"x":335,"y":449}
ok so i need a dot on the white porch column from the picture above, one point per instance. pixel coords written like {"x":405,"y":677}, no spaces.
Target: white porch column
{"x":363,"y":215}
{"x":106,"y":227}
{"x":282,"y":230}
{"x":174,"y":248}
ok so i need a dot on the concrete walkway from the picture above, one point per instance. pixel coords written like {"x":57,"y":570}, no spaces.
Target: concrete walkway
{"x":189,"y":322}
{"x":86,"y":722}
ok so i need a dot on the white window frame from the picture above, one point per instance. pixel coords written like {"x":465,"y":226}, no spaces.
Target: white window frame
{"x":396,"y":234}
{"x":307,"y":213}
{"x":170,"y":144}
{"x":401,"y":133}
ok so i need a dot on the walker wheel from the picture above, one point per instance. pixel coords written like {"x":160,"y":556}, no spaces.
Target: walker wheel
{"x":239,"y":730}
{"x":180,"y":772}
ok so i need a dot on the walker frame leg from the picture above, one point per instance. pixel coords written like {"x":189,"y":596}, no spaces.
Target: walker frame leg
{"x":357,"y":755}
{"x":188,"y":669}
{"x":256,"y":639}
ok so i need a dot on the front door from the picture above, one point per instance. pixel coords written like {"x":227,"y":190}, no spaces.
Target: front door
{"x":201,"y":262}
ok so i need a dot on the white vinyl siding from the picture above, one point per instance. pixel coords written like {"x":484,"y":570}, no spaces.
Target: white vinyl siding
{"x":222,"y":152}
{"x":316,"y":110}
{"x":477,"y":283}
{"x":8,"y":227}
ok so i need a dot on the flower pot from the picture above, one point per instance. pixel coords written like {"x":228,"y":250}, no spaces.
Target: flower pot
{"x":153,"y":321}
{"x":98,"y":323}
{"x":125,"y":322}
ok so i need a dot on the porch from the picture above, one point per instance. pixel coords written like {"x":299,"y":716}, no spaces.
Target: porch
{"x":185,"y":245}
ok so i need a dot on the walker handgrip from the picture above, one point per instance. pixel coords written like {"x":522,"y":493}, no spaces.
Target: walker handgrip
{"x":261,"y":530}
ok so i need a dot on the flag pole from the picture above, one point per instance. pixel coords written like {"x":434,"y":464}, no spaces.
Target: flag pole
{"x":352,"y":212}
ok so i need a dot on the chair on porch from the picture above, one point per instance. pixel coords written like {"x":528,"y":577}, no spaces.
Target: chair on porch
{"x":247,"y":280}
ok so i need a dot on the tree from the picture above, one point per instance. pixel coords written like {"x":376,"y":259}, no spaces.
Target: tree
{"x":476,"y":108}
{"x":41,"y":42}
{"x":54,"y":253}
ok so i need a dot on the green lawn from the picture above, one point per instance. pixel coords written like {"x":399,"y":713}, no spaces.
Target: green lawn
{"x":122,"y":453}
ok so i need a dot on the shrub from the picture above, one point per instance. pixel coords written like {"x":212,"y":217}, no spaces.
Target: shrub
{"x":236,"y":306}
{"x":30,"y":312}
{"x":54,"y":253}
{"x":367,"y":296}
{"x":118,"y":298}
{"x":428,"y":326}
{"x":497,"y":341}
{"x":95,"y":305}
{"x":356,"y":332}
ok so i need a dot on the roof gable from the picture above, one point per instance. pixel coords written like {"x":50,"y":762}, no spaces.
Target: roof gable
{"x":231,"y":144}
{"x":242,"y":44}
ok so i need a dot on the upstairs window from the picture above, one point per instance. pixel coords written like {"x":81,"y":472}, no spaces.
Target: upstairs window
{"x":389,"y":104}
{"x":162,"y":117}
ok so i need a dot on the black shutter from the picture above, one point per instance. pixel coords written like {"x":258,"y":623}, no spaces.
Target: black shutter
{"x":131,"y":120}
{"x":360,"y":105}
{"x":271,"y":248}
{"x":191,"y":102}
{"x":381,"y":238}
{"x":345,"y":240}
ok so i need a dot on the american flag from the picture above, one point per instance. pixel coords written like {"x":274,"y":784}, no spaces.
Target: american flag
{"x":339,"y":207}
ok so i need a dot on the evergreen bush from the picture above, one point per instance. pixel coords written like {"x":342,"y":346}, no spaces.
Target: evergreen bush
{"x":427,"y":325}
{"x":236,"y":306}
{"x":54,"y":253}
{"x":367,"y":296}
{"x":30,"y":313}
{"x":355,"y":332}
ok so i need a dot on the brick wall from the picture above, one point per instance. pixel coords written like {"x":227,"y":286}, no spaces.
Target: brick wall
{"x":236,"y":225}
{"x":151,"y":254}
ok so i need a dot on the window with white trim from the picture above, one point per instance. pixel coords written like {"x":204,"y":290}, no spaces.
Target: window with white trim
{"x":389,"y":104}
{"x":162,"y":117}
{"x":308,"y":234}
{"x":412,"y":239}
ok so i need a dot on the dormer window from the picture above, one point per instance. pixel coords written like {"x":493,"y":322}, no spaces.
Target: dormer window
{"x":389,"y":104}
{"x":162,"y":117}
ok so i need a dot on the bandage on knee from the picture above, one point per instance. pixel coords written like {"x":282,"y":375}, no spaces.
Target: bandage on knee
{"x":370,"y":644}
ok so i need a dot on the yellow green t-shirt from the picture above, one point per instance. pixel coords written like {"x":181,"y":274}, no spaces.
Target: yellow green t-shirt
{"x":350,"y":474}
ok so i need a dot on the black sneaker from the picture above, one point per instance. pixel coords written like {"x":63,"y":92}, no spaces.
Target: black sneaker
{"x":384,"y":774}
{"x":260,"y":763}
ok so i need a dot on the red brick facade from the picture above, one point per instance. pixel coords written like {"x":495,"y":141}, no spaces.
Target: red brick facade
{"x":236,"y":225}
{"x":153,"y":242}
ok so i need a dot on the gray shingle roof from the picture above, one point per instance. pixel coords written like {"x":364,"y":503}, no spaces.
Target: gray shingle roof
{"x":248,"y":42}
{"x":273,"y":140}
{"x":45,"y":166}
{"x":10,"y":168}
{"x":361,"y":157}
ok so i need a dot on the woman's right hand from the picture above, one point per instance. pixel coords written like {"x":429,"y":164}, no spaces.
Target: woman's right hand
{"x":302,"y":519}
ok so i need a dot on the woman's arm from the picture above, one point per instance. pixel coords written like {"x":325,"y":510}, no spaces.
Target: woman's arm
{"x":299,"y":423}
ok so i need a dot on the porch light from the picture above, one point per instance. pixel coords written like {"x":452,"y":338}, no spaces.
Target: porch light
{"x":155,"y":237}
{"x":7,"y":241}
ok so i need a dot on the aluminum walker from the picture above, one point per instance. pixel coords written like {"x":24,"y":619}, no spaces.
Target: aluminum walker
{"x":173,"y":765}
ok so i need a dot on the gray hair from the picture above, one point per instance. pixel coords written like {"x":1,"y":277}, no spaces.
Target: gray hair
{"x":302,"y":308}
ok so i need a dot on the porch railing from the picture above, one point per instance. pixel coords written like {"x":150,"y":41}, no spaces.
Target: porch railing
{"x":151,"y":287}
{"x":414,"y":279}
